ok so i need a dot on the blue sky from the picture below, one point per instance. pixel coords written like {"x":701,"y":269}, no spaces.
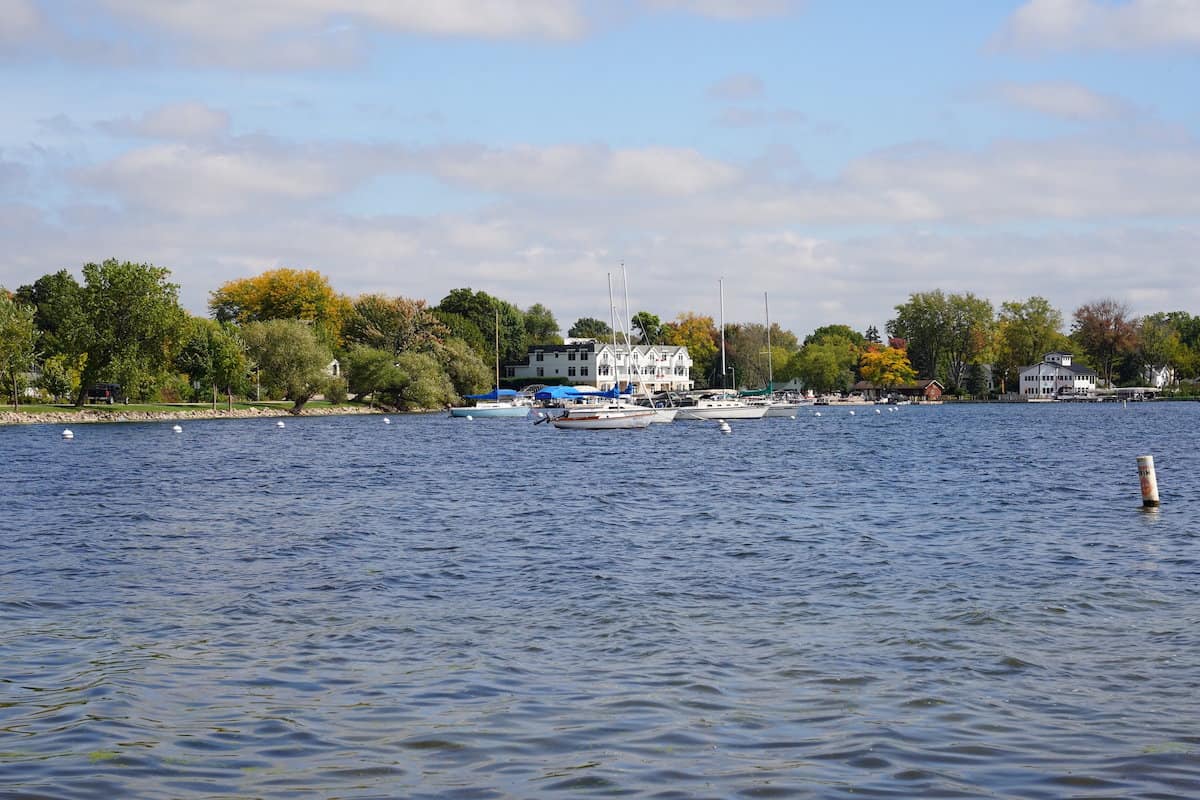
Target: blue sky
{"x":837,"y":155}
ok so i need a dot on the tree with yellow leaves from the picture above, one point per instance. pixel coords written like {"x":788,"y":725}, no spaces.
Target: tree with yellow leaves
{"x":886,"y":367}
{"x":284,"y":294}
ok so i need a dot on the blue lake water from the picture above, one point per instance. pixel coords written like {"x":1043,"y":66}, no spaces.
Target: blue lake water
{"x":933,"y":602}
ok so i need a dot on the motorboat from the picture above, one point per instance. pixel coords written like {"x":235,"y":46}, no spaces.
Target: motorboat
{"x":496,"y":403}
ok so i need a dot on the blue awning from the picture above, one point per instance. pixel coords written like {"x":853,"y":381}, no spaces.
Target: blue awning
{"x":494,"y":394}
{"x":557,"y":393}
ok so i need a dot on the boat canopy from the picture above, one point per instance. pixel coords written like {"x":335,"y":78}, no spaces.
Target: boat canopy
{"x":557,"y":393}
{"x":494,"y":394}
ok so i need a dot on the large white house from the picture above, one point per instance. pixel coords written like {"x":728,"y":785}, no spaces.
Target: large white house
{"x":1055,"y":376}
{"x":658,"y":368}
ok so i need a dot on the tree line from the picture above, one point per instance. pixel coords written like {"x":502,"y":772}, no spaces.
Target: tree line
{"x":276,"y":334}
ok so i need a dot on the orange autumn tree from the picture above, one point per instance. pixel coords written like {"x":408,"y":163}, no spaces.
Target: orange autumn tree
{"x":886,"y":367}
{"x":284,"y":294}
{"x":699,"y":335}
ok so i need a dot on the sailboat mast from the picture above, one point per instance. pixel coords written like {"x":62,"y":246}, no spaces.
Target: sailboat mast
{"x":612,"y":313}
{"x":724,"y":372}
{"x":497,"y":354}
{"x":770,"y":368}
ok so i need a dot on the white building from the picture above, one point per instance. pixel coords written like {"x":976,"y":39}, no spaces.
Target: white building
{"x":1159,"y":377}
{"x":1056,"y":376}
{"x":657,"y":368}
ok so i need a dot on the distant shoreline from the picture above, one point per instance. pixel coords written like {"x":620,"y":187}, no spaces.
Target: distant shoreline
{"x":91,"y":415}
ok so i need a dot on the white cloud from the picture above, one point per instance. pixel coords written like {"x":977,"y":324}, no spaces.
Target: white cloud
{"x":728,"y":9}
{"x":737,"y":87}
{"x":1060,"y":99}
{"x":1091,"y":24}
{"x":179,"y":121}
{"x":19,"y":22}
{"x":189,"y":180}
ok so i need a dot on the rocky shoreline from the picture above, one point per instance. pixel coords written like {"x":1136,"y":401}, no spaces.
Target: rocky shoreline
{"x":92,"y":415}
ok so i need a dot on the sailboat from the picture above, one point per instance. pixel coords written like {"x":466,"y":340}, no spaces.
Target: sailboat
{"x":498,"y":402}
{"x":613,"y":413}
{"x":721,"y":404}
{"x":765,"y":397}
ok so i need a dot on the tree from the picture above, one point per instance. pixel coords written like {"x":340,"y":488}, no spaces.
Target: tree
{"x":130,"y":321}
{"x":481,"y":309}
{"x":1106,"y":332}
{"x":213,"y":356}
{"x":283,"y":294}
{"x":837,"y":331}
{"x":924,"y":321}
{"x":970,"y":329}
{"x":394,"y":324}
{"x":540,"y":326}
{"x":1158,"y":344}
{"x":648,"y":326}
{"x":1025,"y":333}
{"x":827,"y":365}
{"x":421,"y":383}
{"x":590,"y":328}
{"x":699,"y":335}
{"x":886,"y":367}
{"x":18,"y":343}
{"x":368,"y":369}
{"x":291,"y":359}
{"x":746,"y":351}
{"x":57,"y":299}
{"x":467,"y":372}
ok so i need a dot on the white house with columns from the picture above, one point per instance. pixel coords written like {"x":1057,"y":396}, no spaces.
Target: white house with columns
{"x":657,"y":368}
{"x":1055,"y":376}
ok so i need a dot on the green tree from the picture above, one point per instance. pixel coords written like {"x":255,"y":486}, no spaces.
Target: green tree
{"x":1026,"y":332}
{"x":971,"y":324}
{"x":540,"y":326}
{"x":213,"y":356}
{"x":58,"y":378}
{"x":924,"y":322}
{"x":130,"y":322}
{"x":648,"y":326}
{"x":481,"y":309}
{"x":1158,"y":344}
{"x":836,"y":331}
{"x":462,"y":328}
{"x":827,"y":365}
{"x":466,"y":370}
{"x":369,"y":369}
{"x":590,"y":328}
{"x":1106,"y":332}
{"x":58,"y":302}
{"x":421,"y":384}
{"x":395,"y":324}
{"x":291,"y":359}
{"x":18,"y":343}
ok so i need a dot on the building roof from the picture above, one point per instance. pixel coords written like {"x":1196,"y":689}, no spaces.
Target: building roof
{"x":1075,"y":368}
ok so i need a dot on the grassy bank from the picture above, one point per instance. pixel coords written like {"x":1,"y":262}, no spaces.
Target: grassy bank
{"x":147,"y":412}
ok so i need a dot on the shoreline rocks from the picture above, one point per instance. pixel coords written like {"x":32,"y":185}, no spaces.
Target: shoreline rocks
{"x":92,"y":415}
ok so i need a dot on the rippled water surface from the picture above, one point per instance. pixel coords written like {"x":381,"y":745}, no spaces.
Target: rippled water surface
{"x":931,"y":602}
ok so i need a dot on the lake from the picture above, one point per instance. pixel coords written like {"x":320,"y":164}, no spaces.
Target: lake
{"x":946,"y":601}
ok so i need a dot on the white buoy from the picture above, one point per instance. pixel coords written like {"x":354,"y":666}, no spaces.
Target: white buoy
{"x":279,"y":424}
{"x":1149,"y":481}
{"x":816,"y":413}
{"x":387,"y":421}
{"x":177,"y":429}
{"x":66,"y":434}
{"x":469,"y":417}
{"x":852,"y":413}
{"x":793,"y":416}
{"x":877,"y":411}
{"x":724,"y":426}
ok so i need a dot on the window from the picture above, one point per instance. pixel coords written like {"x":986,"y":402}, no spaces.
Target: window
{"x":570,"y":355}
{"x":583,"y":371}
{"x":571,"y":371}
{"x":541,"y":372}
{"x":540,"y":356}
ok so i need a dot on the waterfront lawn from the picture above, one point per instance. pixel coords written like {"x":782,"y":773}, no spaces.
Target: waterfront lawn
{"x":51,"y":408}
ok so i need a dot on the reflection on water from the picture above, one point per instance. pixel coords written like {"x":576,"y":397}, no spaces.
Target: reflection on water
{"x":945,"y":601}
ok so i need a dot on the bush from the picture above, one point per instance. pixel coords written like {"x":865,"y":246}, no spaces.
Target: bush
{"x":336,"y":390}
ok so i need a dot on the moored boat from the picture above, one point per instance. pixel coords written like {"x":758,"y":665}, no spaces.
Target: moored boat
{"x":606,"y":416}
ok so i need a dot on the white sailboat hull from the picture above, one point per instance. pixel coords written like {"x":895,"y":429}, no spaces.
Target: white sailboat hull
{"x":595,"y":419}
{"x":722,"y":410}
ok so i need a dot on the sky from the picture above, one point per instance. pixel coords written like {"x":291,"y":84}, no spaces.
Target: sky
{"x":834,"y":156}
